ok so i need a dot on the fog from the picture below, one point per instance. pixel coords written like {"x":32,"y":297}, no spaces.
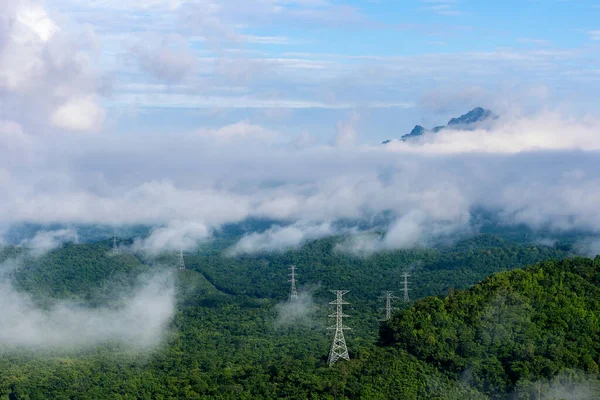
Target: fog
{"x":570,"y":384}
{"x":428,"y":194}
{"x":297,"y":312}
{"x":279,"y":238}
{"x":43,"y":241}
{"x":140,"y":321}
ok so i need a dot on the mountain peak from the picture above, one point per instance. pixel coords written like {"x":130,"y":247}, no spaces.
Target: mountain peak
{"x":477,"y":114}
{"x":465,"y":121}
{"x":418,"y":130}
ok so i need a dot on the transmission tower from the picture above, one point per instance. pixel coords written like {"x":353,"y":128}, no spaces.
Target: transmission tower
{"x":338,"y":348}
{"x":406,"y":289}
{"x":181,"y":260}
{"x":115,"y":248}
{"x":388,"y":296}
{"x":293,"y":292}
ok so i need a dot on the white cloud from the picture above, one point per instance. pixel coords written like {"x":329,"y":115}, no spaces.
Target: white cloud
{"x":79,"y":114}
{"x":16,"y":147}
{"x":45,"y":73}
{"x":176,"y":236}
{"x":44,"y":241}
{"x":594,"y":35}
{"x":166,"y":58}
{"x":539,"y":42}
{"x":527,"y":169}
{"x":21,"y":56}
{"x":281,"y":238}
{"x":443,"y":7}
{"x":34,"y":19}
{"x":180,"y":100}
{"x":242,"y":130}
{"x":345,"y":135}
{"x":414,"y":229}
{"x":281,"y":40}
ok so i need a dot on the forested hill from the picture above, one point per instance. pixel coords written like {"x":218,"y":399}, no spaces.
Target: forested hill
{"x":513,"y":331}
{"x":320,"y":263}
{"x":78,"y":271}
{"x":233,"y":335}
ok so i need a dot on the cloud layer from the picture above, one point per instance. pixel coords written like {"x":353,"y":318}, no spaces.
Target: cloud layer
{"x":538,"y":169}
{"x":195,"y":184}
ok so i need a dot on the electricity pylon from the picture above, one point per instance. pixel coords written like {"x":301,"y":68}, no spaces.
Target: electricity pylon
{"x":406,"y":289}
{"x":293,"y":292}
{"x":338,"y":348}
{"x":181,"y":260}
{"x":115,"y":248}
{"x":388,"y":296}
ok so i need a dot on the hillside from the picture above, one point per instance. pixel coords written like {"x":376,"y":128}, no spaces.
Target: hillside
{"x":73,"y":272}
{"x":233,"y":336}
{"x":222,"y":344}
{"x":512,"y":330}
{"x":434,"y":271}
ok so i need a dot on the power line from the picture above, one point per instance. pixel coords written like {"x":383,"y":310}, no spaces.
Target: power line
{"x":338,"y":348}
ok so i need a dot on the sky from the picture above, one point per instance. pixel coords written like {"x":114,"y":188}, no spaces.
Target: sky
{"x":307,"y":64}
{"x":188,"y":115}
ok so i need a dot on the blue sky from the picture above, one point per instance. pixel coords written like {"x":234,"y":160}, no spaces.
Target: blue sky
{"x":306,"y":65}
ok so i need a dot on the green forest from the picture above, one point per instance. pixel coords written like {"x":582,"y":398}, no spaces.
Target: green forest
{"x":489,"y":318}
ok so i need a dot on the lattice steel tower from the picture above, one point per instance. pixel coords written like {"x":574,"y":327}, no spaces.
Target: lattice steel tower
{"x":181,"y":260}
{"x":338,"y":348}
{"x":293,"y":292}
{"x":406,"y":289}
{"x":115,"y":248}
{"x":388,"y":296}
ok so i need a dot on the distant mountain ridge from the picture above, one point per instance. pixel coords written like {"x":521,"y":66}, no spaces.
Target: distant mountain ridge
{"x":465,"y":121}
{"x":477,"y":114}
